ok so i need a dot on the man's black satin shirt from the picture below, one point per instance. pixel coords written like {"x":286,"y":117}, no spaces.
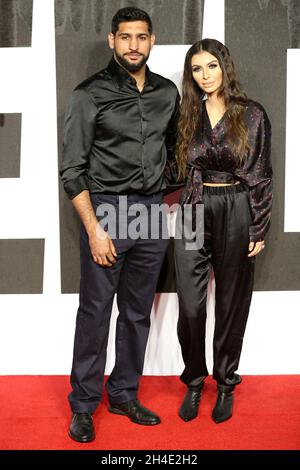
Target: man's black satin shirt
{"x":116,"y":139}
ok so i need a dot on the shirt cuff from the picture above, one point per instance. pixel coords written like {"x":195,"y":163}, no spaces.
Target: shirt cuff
{"x":255,"y":235}
{"x":76,"y":186}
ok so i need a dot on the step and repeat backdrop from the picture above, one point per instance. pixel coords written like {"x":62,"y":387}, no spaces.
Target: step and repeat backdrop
{"x":46,"y":48}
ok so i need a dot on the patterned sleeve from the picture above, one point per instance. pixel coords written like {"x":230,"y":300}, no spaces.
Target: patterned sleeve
{"x":257,"y":173}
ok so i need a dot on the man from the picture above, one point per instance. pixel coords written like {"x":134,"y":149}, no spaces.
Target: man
{"x":119,"y":135}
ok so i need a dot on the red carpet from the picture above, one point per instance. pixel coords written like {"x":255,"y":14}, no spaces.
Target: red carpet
{"x":35,"y":415}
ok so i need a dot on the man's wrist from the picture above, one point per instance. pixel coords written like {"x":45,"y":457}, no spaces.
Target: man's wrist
{"x":91,"y":227}
{"x":96,"y":231}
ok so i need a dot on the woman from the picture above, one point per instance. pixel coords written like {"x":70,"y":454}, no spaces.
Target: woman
{"x":224,"y":149}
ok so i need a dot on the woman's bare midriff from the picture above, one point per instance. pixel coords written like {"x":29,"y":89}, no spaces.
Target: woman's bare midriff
{"x":220,"y":184}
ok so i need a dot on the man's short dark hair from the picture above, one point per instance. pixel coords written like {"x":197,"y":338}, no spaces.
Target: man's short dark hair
{"x":130,"y":14}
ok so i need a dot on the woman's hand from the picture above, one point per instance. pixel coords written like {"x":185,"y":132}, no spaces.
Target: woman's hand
{"x":255,"y":248}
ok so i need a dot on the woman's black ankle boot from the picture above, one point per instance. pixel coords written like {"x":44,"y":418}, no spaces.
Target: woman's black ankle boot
{"x":223,"y":407}
{"x":190,"y":404}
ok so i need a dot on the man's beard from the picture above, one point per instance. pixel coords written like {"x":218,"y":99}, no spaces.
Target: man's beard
{"x":131,"y":67}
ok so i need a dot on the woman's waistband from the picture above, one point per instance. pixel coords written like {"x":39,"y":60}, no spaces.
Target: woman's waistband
{"x":223,"y":190}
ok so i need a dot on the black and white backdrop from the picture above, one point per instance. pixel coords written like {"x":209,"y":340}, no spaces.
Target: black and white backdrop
{"x":46,"y":48}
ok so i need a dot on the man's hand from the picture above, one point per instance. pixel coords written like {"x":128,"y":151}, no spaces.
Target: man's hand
{"x":255,"y":248}
{"x":102,"y":248}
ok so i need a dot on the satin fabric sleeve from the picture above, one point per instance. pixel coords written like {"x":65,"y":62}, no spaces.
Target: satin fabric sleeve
{"x":79,"y":133}
{"x":257,"y":174}
{"x":171,"y":168}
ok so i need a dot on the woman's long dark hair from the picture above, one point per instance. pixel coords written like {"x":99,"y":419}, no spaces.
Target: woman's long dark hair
{"x":191,"y":104}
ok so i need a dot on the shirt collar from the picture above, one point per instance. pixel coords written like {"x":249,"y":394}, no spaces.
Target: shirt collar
{"x":121,"y":76}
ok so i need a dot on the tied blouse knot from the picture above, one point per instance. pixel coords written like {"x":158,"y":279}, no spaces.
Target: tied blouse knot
{"x":211,"y":160}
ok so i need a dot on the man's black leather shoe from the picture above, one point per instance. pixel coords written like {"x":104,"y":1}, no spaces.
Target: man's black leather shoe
{"x":223,"y":407}
{"x":82,"y":427}
{"x":136,"y":412}
{"x":190,"y":404}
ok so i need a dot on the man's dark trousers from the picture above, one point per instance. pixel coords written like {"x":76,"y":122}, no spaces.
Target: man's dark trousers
{"x":134,"y":279}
